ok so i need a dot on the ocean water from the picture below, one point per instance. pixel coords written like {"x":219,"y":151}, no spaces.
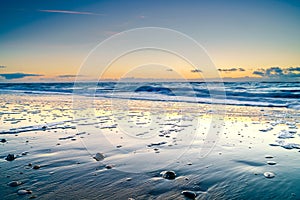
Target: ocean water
{"x":270,"y":94}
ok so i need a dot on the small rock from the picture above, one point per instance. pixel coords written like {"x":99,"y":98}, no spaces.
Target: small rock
{"x":3,"y":140}
{"x":33,"y":197}
{"x":269,"y":174}
{"x":109,"y":166}
{"x":10,"y":157}
{"x":36,"y":167}
{"x":189,"y":194}
{"x":99,"y":157}
{"x":269,"y":156}
{"x":23,"y":192}
{"x":271,"y":162}
{"x":14,"y":183}
{"x":24,"y":153}
{"x":168,"y":175}
{"x":119,"y":146}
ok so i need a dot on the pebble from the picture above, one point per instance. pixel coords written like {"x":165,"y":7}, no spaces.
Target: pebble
{"x":36,"y":167}
{"x":189,"y":194}
{"x":99,"y":156}
{"x":23,"y":192}
{"x":109,"y":166}
{"x":3,"y":140}
{"x":271,"y":162}
{"x":14,"y":183}
{"x":168,"y":175}
{"x":269,"y":156}
{"x":10,"y":157}
{"x":269,"y":174}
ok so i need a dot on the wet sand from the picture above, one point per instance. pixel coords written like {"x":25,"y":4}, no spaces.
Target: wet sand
{"x":214,"y":154}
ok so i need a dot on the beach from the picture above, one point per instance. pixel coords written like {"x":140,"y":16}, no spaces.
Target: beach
{"x":117,"y":149}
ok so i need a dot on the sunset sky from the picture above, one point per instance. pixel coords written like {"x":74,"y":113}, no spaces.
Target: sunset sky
{"x":49,"y":40}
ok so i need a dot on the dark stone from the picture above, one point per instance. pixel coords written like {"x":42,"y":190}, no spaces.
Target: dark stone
{"x":24,"y":192}
{"x":10,"y":157}
{"x":14,"y":183}
{"x":3,"y":140}
{"x":36,"y":167}
{"x":109,"y":166}
{"x":168,"y":175}
{"x":189,"y":194}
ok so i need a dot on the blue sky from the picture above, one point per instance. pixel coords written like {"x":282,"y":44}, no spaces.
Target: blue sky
{"x":52,"y":37}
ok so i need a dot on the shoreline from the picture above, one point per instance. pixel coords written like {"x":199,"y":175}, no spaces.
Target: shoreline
{"x":233,"y":168}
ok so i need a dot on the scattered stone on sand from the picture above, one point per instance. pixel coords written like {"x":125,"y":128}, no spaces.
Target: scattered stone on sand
{"x":269,"y":174}
{"x":119,"y":146}
{"x":33,"y":197}
{"x":270,"y":162}
{"x":10,"y":157}
{"x":36,"y":167}
{"x":269,"y":156}
{"x":25,"y":153}
{"x":3,"y":140}
{"x":168,"y":175}
{"x":99,"y":157}
{"x":14,"y":183}
{"x":189,"y":194}
{"x":23,"y":192}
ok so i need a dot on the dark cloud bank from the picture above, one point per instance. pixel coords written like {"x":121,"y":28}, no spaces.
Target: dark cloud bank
{"x":278,"y":72}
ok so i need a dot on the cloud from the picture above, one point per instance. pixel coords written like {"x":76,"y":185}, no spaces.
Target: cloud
{"x":278,"y":72}
{"x":196,"y":71}
{"x":70,"y":12}
{"x":2,"y":66}
{"x":274,"y":71}
{"x":69,"y":76}
{"x":10,"y":76}
{"x":259,"y":73}
{"x":232,"y":70}
{"x":294,"y":69}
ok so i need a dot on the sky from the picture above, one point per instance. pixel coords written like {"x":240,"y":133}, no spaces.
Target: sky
{"x":52,"y":40}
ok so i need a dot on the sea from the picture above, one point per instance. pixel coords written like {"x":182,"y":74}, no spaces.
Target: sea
{"x":267,"y":94}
